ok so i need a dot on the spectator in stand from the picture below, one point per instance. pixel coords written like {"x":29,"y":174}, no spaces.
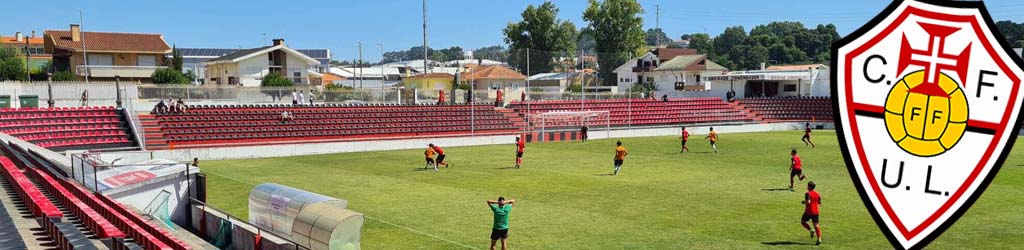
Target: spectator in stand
{"x":286,"y":116}
{"x":583,"y":133}
{"x":440,"y":97}
{"x":160,"y":108}
{"x":311,"y":97}
{"x":195,"y":162}
{"x":664,"y":98}
{"x":85,"y":97}
{"x":731,"y":95}
{"x":498,"y":98}
{"x":295,"y":97}
{"x":171,"y":106}
{"x":302,"y":99}
{"x":522,"y":97}
{"x":181,"y":105}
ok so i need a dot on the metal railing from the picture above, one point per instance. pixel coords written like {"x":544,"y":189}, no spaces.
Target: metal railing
{"x":233,"y":220}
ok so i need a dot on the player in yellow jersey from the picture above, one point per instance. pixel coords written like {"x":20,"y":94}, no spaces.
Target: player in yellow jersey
{"x":713,"y":138}
{"x":620,"y":155}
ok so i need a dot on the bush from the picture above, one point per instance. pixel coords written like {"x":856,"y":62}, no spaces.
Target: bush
{"x":276,"y":80}
{"x":64,"y":76}
{"x":168,"y":76}
{"x":331,"y":86}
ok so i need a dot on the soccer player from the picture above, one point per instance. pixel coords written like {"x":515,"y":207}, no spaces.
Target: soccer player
{"x":520,"y":147}
{"x":684,"y":137}
{"x":440,"y":156}
{"x":620,"y":155}
{"x":795,"y":169}
{"x":812,"y":200}
{"x":501,"y":209}
{"x":429,"y":153}
{"x":807,"y":135}
{"x":713,"y":138}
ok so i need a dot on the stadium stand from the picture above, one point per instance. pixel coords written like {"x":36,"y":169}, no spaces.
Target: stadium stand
{"x":9,"y":236}
{"x":68,"y":128}
{"x":641,"y":112}
{"x":231,"y":125}
{"x":70,"y":213}
{"x":790,"y":109}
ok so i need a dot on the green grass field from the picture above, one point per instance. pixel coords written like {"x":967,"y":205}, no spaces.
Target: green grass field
{"x":567,"y":200}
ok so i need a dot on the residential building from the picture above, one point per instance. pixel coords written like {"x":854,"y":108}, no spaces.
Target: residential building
{"x":668,"y":70}
{"x":248,"y":67}
{"x":493,"y":77}
{"x":193,"y":59}
{"x":429,"y":81}
{"x":560,"y":82}
{"x":29,"y":45}
{"x":130,"y":56}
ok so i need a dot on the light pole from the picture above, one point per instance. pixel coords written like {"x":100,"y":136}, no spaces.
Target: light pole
{"x":382,"y":75}
{"x":85,"y":56}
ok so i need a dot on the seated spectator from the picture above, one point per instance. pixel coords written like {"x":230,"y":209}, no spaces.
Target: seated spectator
{"x":664,"y":98}
{"x":160,"y":108}
{"x":286,"y":116}
{"x":181,"y":106}
{"x":171,"y":107}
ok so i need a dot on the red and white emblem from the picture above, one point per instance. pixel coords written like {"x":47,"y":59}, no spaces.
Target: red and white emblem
{"x":927,"y":105}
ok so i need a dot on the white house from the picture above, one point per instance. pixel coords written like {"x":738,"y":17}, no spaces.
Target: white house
{"x":248,"y":67}
{"x":671,"y":71}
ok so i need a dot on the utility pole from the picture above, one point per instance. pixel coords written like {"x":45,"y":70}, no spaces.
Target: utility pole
{"x":657,"y":25}
{"x":360,"y":64}
{"x":382,"y":75}
{"x":85,"y":57}
{"x":426,"y":67}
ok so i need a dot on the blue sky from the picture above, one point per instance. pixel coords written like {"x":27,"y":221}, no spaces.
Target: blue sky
{"x":339,"y":25}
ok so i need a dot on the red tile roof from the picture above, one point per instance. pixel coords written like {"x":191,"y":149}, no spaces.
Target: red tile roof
{"x":665,"y":54}
{"x":493,"y":72}
{"x":14,"y":40}
{"x":109,"y":41}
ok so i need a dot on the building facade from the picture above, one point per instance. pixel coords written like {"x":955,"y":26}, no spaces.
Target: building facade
{"x":105,"y":55}
{"x":248,"y":67}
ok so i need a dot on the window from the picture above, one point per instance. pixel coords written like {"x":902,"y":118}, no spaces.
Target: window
{"x":789,"y":88}
{"x":297,"y":74}
{"x":146,"y":60}
{"x":697,"y":77}
{"x":101,"y":59}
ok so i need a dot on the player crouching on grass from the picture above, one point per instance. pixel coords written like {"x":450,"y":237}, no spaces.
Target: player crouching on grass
{"x":501,"y":209}
{"x":795,"y":168}
{"x":812,"y":200}
{"x":440,"y":156}
{"x":429,"y":153}
{"x":520,"y":148}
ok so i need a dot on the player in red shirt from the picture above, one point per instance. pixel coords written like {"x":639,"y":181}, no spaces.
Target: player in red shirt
{"x":684,"y":137}
{"x":807,"y":135}
{"x":520,"y":147}
{"x":795,"y":169}
{"x":440,"y":155}
{"x":812,"y":200}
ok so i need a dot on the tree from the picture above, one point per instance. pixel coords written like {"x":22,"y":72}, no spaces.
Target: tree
{"x":617,"y":28}
{"x":12,"y":64}
{"x":168,"y":76}
{"x":276,"y":80}
{"x":685,"y":36}
{"x":656,"y":36}
{"x":1013,"y":32}
{"x":541,"y":34}
{"x":701,"y":42}
{"x":176,"y":59}
{"x":497,"y":53}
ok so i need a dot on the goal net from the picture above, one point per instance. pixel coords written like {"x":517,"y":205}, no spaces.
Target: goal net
{"x":570,"y":120}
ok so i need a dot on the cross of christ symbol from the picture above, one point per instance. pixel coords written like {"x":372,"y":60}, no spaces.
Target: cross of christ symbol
{"x":934,"y":59}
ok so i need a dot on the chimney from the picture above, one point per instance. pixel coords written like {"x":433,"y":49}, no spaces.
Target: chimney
{"x":76,"y":33}
{"x":18,"y":37}
{"x":278,"y":41}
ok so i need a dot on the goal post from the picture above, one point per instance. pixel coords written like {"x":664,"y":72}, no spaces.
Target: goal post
{"x":570,"y":121}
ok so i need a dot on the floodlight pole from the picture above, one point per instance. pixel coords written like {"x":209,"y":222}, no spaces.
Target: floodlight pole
{"x":382,"y":75}
{"x":85,"y":56}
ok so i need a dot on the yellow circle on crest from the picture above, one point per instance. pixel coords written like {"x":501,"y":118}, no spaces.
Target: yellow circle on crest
{"x":926,"y":123}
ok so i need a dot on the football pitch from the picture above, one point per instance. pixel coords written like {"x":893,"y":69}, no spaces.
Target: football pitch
{"x":567,"y":199}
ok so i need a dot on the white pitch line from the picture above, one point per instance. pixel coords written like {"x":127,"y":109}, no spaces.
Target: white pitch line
{"x":368,"y":217}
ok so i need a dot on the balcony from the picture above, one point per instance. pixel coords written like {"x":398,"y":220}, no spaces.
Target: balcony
{"x":122,"y":71}
{"x":644,"y":68}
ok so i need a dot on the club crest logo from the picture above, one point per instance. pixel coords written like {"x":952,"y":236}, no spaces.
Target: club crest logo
{"x":927,"y":105}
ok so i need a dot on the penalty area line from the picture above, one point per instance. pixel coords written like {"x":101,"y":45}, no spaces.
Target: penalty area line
{"x":367,"y":216}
